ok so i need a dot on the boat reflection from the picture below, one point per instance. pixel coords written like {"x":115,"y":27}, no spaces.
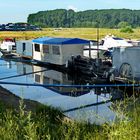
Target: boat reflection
{"x":54,"y":77}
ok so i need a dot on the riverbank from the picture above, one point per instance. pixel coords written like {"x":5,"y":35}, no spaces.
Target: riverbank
{"x":12,"y":101}
{"x":35,"y":121}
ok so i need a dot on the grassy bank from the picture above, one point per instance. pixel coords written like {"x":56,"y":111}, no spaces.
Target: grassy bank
{"x":86,"y":33}
{"x":49,"y":123}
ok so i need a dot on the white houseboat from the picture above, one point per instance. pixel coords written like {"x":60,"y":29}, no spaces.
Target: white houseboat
{"x":104,"y":45}
{"x":126,"y":61}
{"x":57,"y":50}
{"x":8,"y":46}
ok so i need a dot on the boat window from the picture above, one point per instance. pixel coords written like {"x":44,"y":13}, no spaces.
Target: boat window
{"x":56,"y":50}
{"x":116,"y":38}
{"x":45,"y":48}
{"x":13,"y":47}
{"x":37,"y":47}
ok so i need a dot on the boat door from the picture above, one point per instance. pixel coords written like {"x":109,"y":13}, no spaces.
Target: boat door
{"x":24,"y":48}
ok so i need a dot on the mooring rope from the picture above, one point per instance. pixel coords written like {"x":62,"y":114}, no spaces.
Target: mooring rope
{"x":70,"y":86}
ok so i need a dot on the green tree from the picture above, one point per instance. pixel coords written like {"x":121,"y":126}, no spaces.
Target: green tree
{"x":110,"y":18}
{"x":123,"y":24}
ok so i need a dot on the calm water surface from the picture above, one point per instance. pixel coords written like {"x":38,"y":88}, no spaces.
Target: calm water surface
{"x":67,"y":99}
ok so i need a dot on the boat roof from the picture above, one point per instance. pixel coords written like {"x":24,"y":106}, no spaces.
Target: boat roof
{"x":60,"y":41}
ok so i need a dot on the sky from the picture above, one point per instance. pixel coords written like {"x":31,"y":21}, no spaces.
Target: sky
{"x":18,"y":10}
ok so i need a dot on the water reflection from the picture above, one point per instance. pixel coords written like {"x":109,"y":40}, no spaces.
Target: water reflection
{"x":78,"y":103}
{"x":56,"y":77}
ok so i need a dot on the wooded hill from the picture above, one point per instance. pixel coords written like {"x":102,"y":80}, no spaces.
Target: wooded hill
{"x":109,"y":18}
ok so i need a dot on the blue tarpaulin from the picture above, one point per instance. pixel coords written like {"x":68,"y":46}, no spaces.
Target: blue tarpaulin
{"x":60,"y":41}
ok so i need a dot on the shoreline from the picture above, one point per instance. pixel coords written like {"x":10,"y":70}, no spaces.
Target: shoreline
{"x":11,"y":100}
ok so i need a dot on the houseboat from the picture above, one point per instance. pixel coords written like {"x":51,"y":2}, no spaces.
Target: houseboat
{"x":8,"y":46}
{"x":24,"y":48}
{"x":106,"y":44}
{"x":57,"y":51}
{"x":126,"y":62}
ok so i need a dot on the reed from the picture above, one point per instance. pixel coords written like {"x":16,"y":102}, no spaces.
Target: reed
{"x":49,"y":123}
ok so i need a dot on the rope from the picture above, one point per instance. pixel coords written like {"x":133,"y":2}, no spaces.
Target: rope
{"x":85,"y":106}
{"x":70,"y":86}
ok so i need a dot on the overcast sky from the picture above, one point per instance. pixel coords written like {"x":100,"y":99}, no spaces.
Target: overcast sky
{"x":18,"y":10}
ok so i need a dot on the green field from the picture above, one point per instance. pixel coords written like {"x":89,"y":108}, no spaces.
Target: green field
{"x":85,"y":33}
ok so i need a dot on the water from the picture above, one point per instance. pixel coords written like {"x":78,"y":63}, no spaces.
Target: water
{"x":67,"y":99}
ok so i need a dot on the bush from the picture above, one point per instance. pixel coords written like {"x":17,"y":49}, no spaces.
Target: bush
{"x":127,"y":29}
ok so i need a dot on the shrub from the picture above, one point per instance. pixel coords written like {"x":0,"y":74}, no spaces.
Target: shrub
{"x":127,"y":29}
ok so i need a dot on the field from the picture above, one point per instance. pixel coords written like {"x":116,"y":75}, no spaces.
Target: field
{"x":85,"y":33}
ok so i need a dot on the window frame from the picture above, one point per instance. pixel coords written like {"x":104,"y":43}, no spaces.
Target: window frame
{"x":46,"y":50}
{"x":35,"y":47}
{"x":56,"y":50}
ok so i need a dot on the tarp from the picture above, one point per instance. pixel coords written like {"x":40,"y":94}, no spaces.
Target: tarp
{"x":60,"y":41}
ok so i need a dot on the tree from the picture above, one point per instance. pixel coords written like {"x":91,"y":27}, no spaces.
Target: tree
{"x":110,"y":18}
{"x":123,"y":24}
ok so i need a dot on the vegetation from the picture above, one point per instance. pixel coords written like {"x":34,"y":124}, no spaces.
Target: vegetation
{"x":85,"y":33}
{"x":49,"y":124}
{"x":127,"y":29}
{"x":123,"y":24}
{"x":109,"y":18}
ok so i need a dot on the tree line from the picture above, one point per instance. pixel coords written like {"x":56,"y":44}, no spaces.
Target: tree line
{"x":108,"y":18}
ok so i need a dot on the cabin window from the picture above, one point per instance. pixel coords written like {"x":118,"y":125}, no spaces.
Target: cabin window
{"x":37,"y":47}
{"x":45,"y":48}
{"x":56,"y":50}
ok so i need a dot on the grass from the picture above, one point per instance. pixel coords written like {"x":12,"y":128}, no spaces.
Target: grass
{"x":48,"y":124}
{"x":85,"y":33}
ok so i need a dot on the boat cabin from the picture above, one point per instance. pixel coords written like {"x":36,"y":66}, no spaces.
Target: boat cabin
{"x":111,"y":41}
{"x":57,"y":50}
{"x":105,"y":45}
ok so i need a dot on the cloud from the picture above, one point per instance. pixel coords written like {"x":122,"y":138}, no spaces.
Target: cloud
{"x":72,"y":7}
